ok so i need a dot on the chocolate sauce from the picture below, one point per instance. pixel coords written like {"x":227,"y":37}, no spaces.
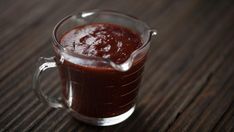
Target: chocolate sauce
{"x":98,"y":91}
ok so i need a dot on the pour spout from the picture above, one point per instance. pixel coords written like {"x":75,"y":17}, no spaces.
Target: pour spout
{"x":128,"y":64}
{"x":124,"y":66}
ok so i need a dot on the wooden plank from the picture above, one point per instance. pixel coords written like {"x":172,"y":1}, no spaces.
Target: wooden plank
{"x":207,"y":103}
{"x":156,"y":97}
{"x":40,"y":43}
{"x":188,"y":78}
{"x":227,"y":120}
{"x":32,"y":60}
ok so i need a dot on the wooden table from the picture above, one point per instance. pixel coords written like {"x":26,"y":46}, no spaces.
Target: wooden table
{"x":188,"y":83}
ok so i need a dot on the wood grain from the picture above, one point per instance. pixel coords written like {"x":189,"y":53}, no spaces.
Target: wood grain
{"x":188,"y":80}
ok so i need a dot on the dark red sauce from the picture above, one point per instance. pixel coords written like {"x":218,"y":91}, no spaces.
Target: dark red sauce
{"x":95,"y":91}
{"x":103,"y":40}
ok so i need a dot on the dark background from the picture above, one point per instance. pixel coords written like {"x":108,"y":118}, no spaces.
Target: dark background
{"x":188,"y":83}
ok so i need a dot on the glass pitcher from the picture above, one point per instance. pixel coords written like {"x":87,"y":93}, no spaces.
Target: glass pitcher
{"x":96,"y":90}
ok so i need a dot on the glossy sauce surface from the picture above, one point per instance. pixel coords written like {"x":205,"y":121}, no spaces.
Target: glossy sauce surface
{"x":102,"y":40}
{"x":99,"y":92}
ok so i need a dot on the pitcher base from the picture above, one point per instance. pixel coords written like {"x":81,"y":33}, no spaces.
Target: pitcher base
{"x":104,"y":121}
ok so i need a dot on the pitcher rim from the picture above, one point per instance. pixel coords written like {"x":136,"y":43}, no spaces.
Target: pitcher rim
{"x":111,"y":12}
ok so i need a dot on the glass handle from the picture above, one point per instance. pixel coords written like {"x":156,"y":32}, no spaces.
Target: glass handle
{"x":42,"y":65}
